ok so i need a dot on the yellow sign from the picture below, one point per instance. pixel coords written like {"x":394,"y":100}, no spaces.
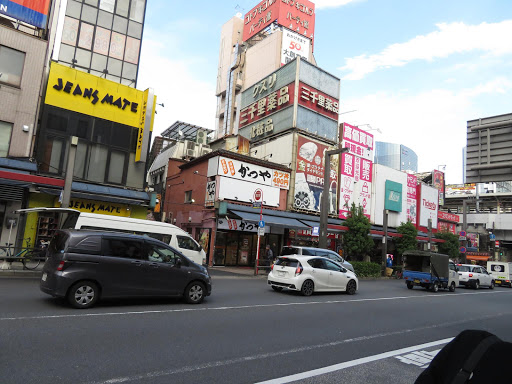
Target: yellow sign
{"x":101,"y":207}
{"x":81,"y":92}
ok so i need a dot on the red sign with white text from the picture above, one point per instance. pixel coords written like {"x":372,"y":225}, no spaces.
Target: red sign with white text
{"x":298,"y":16}
{"x":318,"y":101}
{"x":448,"y":217}
{"x":355,"y":184}
{"x":412,"y":213}
{"x":358,"y":141}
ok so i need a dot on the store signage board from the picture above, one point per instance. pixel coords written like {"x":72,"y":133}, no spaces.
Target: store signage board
{"x":412,"y":213}
{"x":309,"y":177}
{"x":355,"y":184}
{"x":209,"y":200}
{"x":294,"y":45}
{"x":242,"y":170}
{"x":358,"y":141}
{"x":28,"y":11}
{"x":261,"y":231}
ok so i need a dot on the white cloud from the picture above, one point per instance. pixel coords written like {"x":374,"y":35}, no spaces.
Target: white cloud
{"x":185,"y":97}
{"x":322,"y":4}
{"x":452,"y":38}
{"x":432,"y":124}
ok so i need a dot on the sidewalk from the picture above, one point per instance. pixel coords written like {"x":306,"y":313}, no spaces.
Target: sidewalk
{"x":16,"y":269}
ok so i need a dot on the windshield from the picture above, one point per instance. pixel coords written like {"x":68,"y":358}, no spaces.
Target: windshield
{"x":69,"y":220}
{"x":464,"y":268}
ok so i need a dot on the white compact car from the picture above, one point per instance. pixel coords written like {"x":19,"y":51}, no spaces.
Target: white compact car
{"x":474,"y":276}
{"x":309,"y":274}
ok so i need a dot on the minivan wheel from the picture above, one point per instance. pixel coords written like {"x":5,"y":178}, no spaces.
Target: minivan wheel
{"x":308,"y":287}
{"x":83,"y":294}
{"x":476,"y":285}
{"x":194,"y":293}
{"x":452,"y":286}
{"x":492,"y":284}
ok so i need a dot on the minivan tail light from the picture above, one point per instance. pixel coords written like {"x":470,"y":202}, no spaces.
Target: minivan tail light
{"x":61,"y":266}
{"x":470,"y":275}
{"x":299,"y":270}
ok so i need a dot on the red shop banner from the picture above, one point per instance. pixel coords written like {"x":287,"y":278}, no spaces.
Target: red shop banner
{"x":318,"y":101}
{"x":298,"y":16}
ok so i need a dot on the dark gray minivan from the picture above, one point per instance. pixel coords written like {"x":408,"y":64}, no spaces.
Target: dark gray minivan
{"x":83,"y":266}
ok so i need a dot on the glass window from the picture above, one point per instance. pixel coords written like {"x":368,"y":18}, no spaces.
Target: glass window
{"x":114,"y":68}
{"x":11,"y":65}
{"x":53,"y":149}
{"x":220,"y":248}
{"x":188,"y":196}
{"x":99,"y":62}
{"x":120,"y":24}
{"x":73,"y":9}
{"x":101,"y":132}
{"x":108,"y":5}
{"x":97,"y":163}
{"x":101,"y":41}
{"x":129,"y":71}
{"x":463,"y":268}
{"x":57,"y":121}
{"x":186,"y":242}
{"x":80,"y":160}
{"x":131,"y":53}
{"x":117,"y":48}
{"x":121,"y":135}
{"x":92,"y":2}
{"x":89,"y":14}
{"x":123,"y":247}
{"x":122,"y":7}
{"x":285,"y":262}
{"x":86,"y":34}
{"x":66,"y":53}
{"x":331,"y":266}
{"x":5,"y":138}
{"x":162,"y":255}
{"x":83,"y":58}
{"x":70,"y":31}
{"x":135,"y":29}
{"x":116,"y":167}
{"x":105,"y":19}
{"x":317,"y":263}
{"x":137,"y":10}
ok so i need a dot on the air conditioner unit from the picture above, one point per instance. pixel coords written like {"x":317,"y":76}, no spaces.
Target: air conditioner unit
{"x":191,"y":152}
{"x":204,"y":151}
{"x":201,"y":137}
{"x":190,"y":145}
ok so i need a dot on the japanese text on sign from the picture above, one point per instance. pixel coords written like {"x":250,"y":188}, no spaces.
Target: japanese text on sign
{"x":255,"y":173}
{"x":322,"y":103}
{"x":266,"y":105}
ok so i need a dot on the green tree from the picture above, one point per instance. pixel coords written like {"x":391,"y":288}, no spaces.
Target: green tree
{"x":357,"y":241}
{"x":409,"y":240}
{"x":451,"y":245}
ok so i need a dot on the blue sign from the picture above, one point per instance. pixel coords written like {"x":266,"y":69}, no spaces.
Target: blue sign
{"x":492,"y":236}
{"x":261,"y":224}
{"x":316,"y":231}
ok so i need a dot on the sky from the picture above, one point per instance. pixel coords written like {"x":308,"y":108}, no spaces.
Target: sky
{"x":414,"y":71}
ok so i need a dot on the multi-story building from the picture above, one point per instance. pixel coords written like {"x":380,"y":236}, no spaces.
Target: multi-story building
{"x":396,"y":156}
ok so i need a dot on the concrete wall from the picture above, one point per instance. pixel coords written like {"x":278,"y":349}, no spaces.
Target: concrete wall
{"x":20,"y":105}
{"x":231,"y":33}
{"x":262,"y":59}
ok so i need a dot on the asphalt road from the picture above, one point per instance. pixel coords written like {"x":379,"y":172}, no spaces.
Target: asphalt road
{"x":244,"y":333}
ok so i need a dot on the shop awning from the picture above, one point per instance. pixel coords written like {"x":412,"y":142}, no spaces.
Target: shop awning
{"x":273,"y":221}
{"x":312,"y":224}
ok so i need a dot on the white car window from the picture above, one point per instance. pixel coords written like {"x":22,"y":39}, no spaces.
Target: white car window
{"x":333,"y":267}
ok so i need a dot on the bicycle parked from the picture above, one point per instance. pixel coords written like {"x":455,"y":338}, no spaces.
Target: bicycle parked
{"x":31,"y":258}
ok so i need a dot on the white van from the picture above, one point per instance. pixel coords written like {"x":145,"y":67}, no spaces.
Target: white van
{"x":168,"y":233}
{"x":501,"y":272}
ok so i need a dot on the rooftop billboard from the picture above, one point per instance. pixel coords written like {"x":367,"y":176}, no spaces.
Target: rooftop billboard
{"x":298,"y":16}
{"x":33,"y":12}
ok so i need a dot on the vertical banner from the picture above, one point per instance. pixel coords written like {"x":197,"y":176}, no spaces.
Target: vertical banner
{"x":347,"y":180}
{"x":411,"y":198}
{"x":363,"y":188}
{"x":438,"y":183}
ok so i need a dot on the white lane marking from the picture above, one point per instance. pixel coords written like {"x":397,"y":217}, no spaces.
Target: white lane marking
{"x":419,"y":358}
{"x":272,"y":355}
{"x":353,"y":363}
{"x":241,"y":306}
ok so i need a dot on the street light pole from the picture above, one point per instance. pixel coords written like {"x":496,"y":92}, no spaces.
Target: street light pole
{"x":324,"y":203}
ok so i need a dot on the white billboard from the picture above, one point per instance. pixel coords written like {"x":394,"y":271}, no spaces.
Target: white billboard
{"x":294,"y":45}
{"x":243,"y":191}
{"x":382,"y":173}
{"x":428,"y":205}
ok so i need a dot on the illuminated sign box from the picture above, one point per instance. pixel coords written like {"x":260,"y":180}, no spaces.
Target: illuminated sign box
{"x":28,"y":11}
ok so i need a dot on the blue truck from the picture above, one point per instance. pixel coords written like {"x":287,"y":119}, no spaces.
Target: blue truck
{"x":429,"y":270}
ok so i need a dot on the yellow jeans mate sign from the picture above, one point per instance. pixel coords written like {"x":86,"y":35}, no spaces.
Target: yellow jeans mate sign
{"x":91,"y":95}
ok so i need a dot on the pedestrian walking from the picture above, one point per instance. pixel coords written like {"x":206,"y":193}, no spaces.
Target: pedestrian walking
{"x":269,"y":255}
{"x":389,"y":265}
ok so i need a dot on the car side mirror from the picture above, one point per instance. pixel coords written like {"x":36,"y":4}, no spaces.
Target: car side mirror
{"x":343,"y":270}
{"x":177,"y":263}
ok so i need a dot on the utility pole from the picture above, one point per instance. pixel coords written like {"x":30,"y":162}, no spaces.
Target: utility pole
{"x":324,"y":203}
{"x":385,"y":241}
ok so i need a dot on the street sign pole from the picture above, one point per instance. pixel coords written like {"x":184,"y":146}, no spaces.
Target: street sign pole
{"x":256,"y":264}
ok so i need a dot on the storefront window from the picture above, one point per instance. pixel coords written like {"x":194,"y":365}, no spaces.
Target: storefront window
{"x":245,"y":248}
{"x":80,"y":160}
{"x":116,"y":167}
{"x":220,"y":248}
{"x":232,"y":248}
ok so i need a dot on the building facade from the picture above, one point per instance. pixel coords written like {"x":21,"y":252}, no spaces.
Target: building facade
{"x":396,"y":156}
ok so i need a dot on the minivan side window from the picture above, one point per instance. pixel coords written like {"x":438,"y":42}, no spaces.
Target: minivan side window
{"x":126,"y":248}
{"x":160,"y":254}
{"x":186,"y":242}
